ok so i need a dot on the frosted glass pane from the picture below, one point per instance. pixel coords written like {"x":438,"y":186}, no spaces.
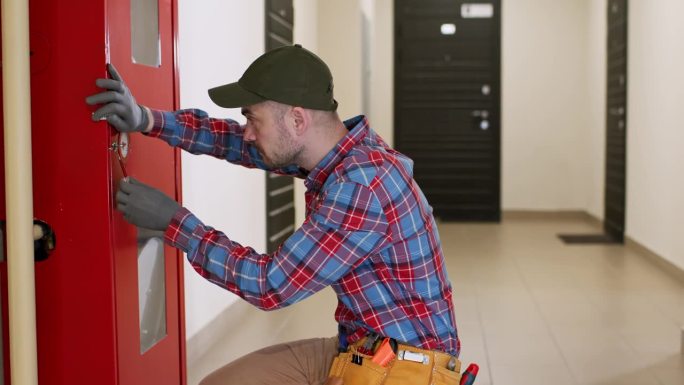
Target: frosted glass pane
{"x":151,"y":290}
{"x":145,"y":44}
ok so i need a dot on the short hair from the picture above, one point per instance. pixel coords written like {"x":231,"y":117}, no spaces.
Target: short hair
{"x":320,"y":117}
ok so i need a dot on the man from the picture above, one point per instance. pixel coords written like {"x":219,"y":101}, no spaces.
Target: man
{"x":369,"y":232}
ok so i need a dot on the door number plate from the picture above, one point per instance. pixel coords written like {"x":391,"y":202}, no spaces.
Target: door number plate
{"x":477,"y":11}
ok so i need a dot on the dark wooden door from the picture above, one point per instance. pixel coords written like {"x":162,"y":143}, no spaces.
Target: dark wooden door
{"x":280,"y":210}
{"x":447,"y":103}
{"x":616,"y":120}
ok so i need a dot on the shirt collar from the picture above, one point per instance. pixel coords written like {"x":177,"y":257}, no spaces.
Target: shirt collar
{"x":358,"y":129}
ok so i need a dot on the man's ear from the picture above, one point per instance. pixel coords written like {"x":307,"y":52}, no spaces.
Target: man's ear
{"x":301,"y":119}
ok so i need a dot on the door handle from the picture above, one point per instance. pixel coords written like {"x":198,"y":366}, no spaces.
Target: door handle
{"x":44,"y":240}
{"x":484,"y":119}
{"x":484,"y":114}
{"x":486,"y":89}
{"x":617,"y":111}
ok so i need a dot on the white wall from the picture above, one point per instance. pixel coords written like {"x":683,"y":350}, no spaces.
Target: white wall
{"x":338,"y":41}
{"x":339,"y":45}
{"x":381,"y":112}
{"x":655,"y":133}
{"x":306,"y":34}
{"x":552,"y":104}
{"x":218,"y":40}
{"x":551,"y":125}
{"x":213,"y":51}
{"x":553,"y":59}
{"x":545,"y":139}
{"x":554,"y":97}
{"x":549,"y":118}
{"x":596,"y":77}
{"x":306,"y":23}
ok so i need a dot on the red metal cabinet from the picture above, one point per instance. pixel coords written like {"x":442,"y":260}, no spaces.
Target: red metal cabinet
{"x":87,"y":299}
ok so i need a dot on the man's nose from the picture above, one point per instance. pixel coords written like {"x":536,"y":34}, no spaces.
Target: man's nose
{"x":249,"y":134}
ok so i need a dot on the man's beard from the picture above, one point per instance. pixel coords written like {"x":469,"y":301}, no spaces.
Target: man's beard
{"x":286,"y":152}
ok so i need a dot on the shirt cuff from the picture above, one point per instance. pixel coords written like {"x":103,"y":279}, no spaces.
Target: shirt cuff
{"x":157,"y":123}
{"x":185,"y":231}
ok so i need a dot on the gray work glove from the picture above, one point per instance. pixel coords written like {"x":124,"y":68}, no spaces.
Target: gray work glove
{"x":120,"y":109}
{"x":145,"y":206}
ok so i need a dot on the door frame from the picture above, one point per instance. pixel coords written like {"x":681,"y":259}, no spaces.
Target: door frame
{"x":616,"y":230}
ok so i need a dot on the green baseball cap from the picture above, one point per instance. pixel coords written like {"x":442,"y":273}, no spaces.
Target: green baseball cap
{"x":290,"y":75}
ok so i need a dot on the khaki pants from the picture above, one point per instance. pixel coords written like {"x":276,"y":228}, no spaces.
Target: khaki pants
{"x":304,"y":362}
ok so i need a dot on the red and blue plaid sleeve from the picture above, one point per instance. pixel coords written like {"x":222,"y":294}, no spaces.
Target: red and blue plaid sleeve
{"x":194,"y":131}
{"x":341,"y":233}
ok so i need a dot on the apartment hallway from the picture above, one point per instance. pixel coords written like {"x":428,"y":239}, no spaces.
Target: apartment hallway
{"x":530,"y":310}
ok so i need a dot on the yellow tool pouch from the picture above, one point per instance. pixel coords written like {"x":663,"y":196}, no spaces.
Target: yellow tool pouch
{"x":412,"y":366}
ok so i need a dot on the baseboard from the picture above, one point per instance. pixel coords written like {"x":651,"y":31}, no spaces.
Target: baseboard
{"x":665,"y":265}
{"x":550,"y":215}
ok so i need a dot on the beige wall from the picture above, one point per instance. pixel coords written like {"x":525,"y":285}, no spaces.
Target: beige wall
{"x":216,"y":320}
{"x":655,"y":133}
{"x":552,"y":102}
{"x":306,"y":34}
{"x":339,"y":45}
{"x":338,"y":41}
{"x":208,"y":183}
{"x":553,"y":59}
{"x":554,"y":97}
{"x":546,"y":155}
{"x":596,"y":113}
{"x":549,"y":120}
{"x":382,"y":70}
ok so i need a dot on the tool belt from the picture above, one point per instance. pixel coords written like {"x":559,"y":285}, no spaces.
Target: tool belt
{"x":391,"y":363}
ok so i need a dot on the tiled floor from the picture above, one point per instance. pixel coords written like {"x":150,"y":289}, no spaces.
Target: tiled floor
{"x":530,"y":310}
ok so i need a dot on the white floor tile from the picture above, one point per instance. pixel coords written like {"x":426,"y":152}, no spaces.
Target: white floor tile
{"x":531,"y":375}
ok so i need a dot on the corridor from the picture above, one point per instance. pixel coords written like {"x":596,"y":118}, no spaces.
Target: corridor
{"x":529,"y":309}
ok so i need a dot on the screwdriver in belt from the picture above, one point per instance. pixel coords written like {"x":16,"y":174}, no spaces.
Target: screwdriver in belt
{"x":468,"y":377}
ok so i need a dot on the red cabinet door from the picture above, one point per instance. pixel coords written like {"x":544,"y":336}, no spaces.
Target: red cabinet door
{"x":140,"y":45}
{"x":90,"y":290}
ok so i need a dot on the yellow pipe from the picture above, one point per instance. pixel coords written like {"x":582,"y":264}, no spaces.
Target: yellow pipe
{"x":16,"y":77}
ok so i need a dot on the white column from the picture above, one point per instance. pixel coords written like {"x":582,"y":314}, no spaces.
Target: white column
{"x":19,"y":191}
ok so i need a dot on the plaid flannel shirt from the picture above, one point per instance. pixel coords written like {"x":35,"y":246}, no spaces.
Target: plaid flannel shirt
{"x":369,"y":233}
